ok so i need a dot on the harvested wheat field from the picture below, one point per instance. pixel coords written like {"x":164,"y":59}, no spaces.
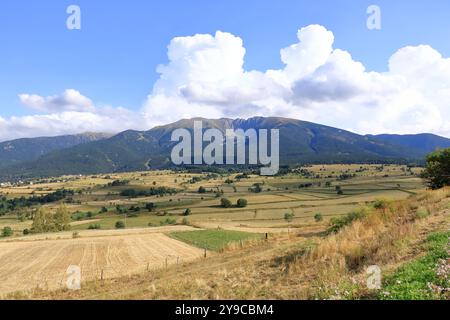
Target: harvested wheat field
{"x":27,"y":265}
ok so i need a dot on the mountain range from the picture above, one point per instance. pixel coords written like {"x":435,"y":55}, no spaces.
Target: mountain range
{"x":301,"y":142}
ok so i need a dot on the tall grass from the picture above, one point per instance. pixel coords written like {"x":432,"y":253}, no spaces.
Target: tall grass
{"x":376,"y":235}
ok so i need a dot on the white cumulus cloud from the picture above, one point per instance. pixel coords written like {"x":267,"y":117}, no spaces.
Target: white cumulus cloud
{"x":69,"y":100}
{"x":205,"y":76}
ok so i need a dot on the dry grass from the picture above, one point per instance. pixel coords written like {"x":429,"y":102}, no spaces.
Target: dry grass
{"x":30,"y":264}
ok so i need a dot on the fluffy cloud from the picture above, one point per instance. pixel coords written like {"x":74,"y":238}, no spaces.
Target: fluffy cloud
{"x":205,"y":77}
{"x":69,"y":100}
{"x":104,"y":119}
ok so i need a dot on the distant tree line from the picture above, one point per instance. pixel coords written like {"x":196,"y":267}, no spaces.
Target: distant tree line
{"x":154,"y":191}
{"x":7,"y":205}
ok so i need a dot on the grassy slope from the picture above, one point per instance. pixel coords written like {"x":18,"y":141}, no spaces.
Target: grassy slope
{"x":413,"y":280}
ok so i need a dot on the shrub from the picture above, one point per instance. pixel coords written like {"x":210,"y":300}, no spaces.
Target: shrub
{"x":380,"y":204}
{"x":7,"y":232}
{"x":422,"y":212}
{"x":150,"y":206}
{"x":168,"y":221}
{"x":26,"y":232}
{"x":289,"y":217}
{"x":338,"y":223}
{"x":187,"y":212}
{"x":94,"y":226}
{"x":225,"y":203}
{"x":120,"y":225}
{"x":318,"y":217}
{"x":201,"y":190}
{"x":242,"y":203}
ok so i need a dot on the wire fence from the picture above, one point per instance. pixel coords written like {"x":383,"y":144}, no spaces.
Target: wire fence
{"x":73,"y":276}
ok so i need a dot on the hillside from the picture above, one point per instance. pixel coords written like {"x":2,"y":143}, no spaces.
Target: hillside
{"x":424,"y":143}
{"x":300,"y":142}
{"x":21,"y":150}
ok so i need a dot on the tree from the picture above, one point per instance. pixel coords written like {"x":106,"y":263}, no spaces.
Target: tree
{"x":150,"y":206}
{"x":225,"y":203}
{"x":242,"y":203}
{"x":201,"y":190}
{"x":61,"y":219}
{"x":42,"y":222}
{"x":437,"y":171}
{"x":120,"y":225}
{"x":7,"y":232}
{"x":187,"y":212}
{"x":318,"y":217}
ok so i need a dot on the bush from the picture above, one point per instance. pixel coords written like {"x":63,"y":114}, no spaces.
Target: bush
{"x":422,"y":213}
{"x":338,"y":223}
{"x":7,"y":232}
{"x":242,"y":203}
{"x":94,"y":226}
{"x":120,"y":225}
{"x":187,"y":212}
{"x":150,"y":206}
{"x":380,"y":204}
{"x":225,"y":203}
{"x":289,"y":217}
{"x":201,"y":190}
{"x":168,"y":221}
{"x":318,"y":217}
{"x":26,"y":232}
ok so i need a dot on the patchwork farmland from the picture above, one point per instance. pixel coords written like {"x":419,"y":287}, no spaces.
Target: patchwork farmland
{"x":145,"y":224}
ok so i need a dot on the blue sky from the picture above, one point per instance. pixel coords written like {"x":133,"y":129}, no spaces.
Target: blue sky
{"x":113,"y":58}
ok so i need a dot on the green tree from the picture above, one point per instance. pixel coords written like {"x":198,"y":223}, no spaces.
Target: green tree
{"x":437,"y":171}
{"x":225,"y":203}
{"x":61,"y":219}
{"x":42,"y":222}
{"x":7,"y":232}
{"x":242,"y":203}
{"x":187,"y":212}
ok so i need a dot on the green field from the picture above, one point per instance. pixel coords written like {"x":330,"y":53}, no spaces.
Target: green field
{"x":214,"y":239}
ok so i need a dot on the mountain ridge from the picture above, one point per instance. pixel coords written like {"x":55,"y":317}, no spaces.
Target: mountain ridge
{"x":301,"y":142}
{"x":27,"y":149}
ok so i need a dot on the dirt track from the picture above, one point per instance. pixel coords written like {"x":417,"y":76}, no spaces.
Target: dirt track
{"x":26,"y":265}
